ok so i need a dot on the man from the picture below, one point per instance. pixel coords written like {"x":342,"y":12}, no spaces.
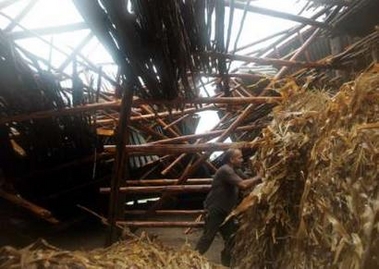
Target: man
{"x":221,"y":200}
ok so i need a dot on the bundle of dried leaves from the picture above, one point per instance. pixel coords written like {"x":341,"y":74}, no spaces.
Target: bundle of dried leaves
{"x":134,"y":254}
{"x":318,"y":206}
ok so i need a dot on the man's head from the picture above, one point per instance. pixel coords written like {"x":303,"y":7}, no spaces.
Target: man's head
{"x":233,"y":157}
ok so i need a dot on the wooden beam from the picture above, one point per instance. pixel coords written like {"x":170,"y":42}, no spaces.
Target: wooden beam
{"x":165,"y":181}
{"x":160,"y":189}
{"x":278,"y":14}
{"x":209,"y":100}
{"x":48,"y":30}
{"x":61,"y":112}
{"x":209,"y":134}
{"x":75,"y":52}
{"x":162,"y":224}
{"x":272,"y":61}
{"x":138,"y":102}
{"x":6,"y":3}
{"x":166,"y":212}
{"x":156,"y":149}
{"x":21,"y":15}
{"x":33,"y":208}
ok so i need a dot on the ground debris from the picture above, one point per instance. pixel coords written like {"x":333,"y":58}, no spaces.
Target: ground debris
{"x":133,"y":254}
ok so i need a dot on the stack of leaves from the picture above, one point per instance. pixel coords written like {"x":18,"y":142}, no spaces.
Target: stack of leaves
{"x":318,"y":206}
{"x":134,"y":254}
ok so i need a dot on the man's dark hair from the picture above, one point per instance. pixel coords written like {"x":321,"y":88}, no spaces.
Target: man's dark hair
{"x":228,"y":155}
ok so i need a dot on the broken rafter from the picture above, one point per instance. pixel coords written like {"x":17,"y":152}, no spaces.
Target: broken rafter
{"x":161,"y":224}
{"x":209,"y":100}
{"x":165,"y":181}
{"x":35,"y":209}
{"x":210,"y":134}
{"x":279,"y":14}
{"x":138,"y":102}
{"x":159,"y":189}
{"x":48,"y":30}
{"x":272,"y":61}
{"x":164,"y":149}
{"x":166,"y":212}
{"x":22,"y":14}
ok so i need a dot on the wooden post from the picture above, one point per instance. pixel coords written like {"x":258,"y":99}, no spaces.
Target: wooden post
{"x":120,"y":170}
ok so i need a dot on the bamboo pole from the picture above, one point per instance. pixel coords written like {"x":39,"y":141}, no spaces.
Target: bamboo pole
{"x":160,"y":189}
{"x":33,"y":208}
{"x":166,"y":212}
{"x":165,"y":181}
{"x":161,"y":224}
{"x":157,"y":149}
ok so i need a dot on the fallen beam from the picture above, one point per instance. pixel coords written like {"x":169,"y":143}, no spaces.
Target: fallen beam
{"x":209,"y":100}
{"x":278,"y":14}
{"x":138,"y":102}
{"x":162,"y":224}
{"x":157,"y":182}
{"x":158,"y":149}
{"x":272,"y":61}
{"x":48,"y":30}
{"x":160,"y":189}
{"x":33,"y":208}
{"x":166,"y":212}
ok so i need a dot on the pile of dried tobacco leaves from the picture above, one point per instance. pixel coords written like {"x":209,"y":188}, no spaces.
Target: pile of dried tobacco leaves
{"x":135,"y":254}
{"x":318,"y":206}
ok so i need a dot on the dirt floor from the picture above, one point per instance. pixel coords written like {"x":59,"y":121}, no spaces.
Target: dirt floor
{"x":19,"y":229}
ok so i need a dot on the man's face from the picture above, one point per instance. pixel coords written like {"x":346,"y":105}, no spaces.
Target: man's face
{"x":236,"y":160}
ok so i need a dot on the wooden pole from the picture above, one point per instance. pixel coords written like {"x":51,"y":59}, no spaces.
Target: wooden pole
{"x":209,"y":100}
{"x":162,"y":224}
{"x":279,"y":14}
{"x":165,"y":181}
{"x":166,"y":212}
{"x":160,"y":189}
{"x":48,"y":30}
{"x":120,"y":171}
{"x":157,"y":149}
{"x":272,"y":61}
{"x":33,"y":208}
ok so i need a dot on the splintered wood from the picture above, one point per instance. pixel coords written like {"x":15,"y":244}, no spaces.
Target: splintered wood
{"x":318,"y":206}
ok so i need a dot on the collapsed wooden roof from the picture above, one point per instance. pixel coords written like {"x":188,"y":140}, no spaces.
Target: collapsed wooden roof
{"x":163,"y":53}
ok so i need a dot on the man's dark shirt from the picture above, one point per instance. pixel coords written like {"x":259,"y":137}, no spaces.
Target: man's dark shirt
{"x":224,"y":191}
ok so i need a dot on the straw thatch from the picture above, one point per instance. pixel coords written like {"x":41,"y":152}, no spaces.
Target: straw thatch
{"x":318,"y":206}
{"x":134,"y":254}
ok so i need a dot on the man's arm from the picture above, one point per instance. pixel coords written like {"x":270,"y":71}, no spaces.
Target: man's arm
{"x":248,"y":183}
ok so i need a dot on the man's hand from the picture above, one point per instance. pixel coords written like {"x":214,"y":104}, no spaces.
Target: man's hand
{"x":248,"y":183}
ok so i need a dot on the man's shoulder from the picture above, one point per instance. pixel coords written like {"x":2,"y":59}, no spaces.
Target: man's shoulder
{"x":226,"y":168}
